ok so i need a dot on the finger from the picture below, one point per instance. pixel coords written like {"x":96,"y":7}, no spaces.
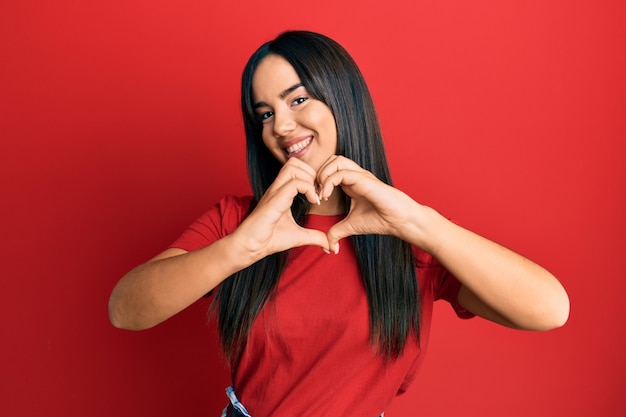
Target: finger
{"x":330,"y":174}
{"x":279,"y":198}
{"x":337,"y":232}
{"x":294,"y":169}
{"x":295,"y":162}
{"x":353,"y":183}
{"x":292,"y":187}
{"x":336,"y":163}
{"x":322,"y":169}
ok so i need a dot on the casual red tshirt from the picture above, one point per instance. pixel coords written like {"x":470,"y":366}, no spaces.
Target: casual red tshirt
{"x":309,"y":352}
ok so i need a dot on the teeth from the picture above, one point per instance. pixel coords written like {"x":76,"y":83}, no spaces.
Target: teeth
{"x":298,"y":146}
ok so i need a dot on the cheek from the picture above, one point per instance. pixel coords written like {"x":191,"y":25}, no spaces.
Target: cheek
{"x":323,"y":118}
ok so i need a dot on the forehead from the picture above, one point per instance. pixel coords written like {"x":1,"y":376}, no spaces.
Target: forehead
{"x":273,"y":75}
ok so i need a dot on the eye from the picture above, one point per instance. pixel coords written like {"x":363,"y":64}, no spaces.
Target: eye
{"x":299,"y":101}
{"x":264,"y":116}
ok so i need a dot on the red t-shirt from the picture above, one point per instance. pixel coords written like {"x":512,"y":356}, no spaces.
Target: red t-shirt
{"x":309,"y":352}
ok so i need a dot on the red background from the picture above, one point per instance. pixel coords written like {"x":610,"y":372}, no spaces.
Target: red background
{"x":120,"y":124}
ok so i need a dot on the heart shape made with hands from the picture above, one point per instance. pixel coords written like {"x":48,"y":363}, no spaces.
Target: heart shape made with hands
{"x":375,"y":207}
{"x":365,"y":216}
{"x":362,"y":218}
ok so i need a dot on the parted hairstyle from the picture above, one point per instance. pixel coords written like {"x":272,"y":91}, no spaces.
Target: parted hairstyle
{"x":386,"y":263}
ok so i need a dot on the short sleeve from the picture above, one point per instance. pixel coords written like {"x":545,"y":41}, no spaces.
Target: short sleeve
{"x":445,"y":286}
{"x":219,"y":221}
{"x":449,"y":290}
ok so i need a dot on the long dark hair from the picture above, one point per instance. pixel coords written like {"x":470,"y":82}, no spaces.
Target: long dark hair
{"x":386,"y":263}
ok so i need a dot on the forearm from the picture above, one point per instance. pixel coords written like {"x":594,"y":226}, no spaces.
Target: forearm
{"x":526,"y":295}
{"x":164,"y":286}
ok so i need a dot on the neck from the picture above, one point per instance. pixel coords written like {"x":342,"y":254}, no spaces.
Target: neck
{"x":333,"y":206}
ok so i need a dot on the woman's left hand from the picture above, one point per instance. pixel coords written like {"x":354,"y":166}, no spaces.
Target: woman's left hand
{"x":497,"y":283}
{"x":376,"y":207}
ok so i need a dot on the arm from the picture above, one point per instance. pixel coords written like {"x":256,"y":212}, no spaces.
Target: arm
{"x":170,"y":282}
{"x":497,"y":283}
{"x":173,"y":280}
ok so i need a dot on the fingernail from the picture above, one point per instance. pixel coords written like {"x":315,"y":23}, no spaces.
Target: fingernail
{"x":326,"y":251}
{"x":336,"y":250}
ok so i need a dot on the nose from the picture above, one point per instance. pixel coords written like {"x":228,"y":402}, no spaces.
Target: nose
{"x":284,"y":122}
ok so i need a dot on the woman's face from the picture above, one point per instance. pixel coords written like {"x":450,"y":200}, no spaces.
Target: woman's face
{"x":295,"y":125}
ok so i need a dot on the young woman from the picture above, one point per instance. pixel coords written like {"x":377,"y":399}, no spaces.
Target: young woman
{"x":323,"y":281}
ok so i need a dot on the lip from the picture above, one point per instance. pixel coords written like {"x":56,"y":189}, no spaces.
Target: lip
{"x":298,"y":146}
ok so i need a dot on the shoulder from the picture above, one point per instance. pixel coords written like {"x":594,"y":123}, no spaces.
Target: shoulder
{"x":218,"y":221}
{"x":227,"y":213}
{"x":236,"y":206}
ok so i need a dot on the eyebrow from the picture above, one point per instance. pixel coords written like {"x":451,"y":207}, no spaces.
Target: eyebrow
{"x":282,"y":95}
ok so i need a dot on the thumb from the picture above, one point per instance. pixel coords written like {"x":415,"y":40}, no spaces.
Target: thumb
{"x":337,"y":232}
{"x":313,"y":238}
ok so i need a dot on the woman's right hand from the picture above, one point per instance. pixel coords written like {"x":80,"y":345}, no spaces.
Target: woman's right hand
{"x":271,"y":228}
{"x":156,"y":290}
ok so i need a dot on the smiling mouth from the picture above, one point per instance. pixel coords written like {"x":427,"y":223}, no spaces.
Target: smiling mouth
{"x":294,"y":149}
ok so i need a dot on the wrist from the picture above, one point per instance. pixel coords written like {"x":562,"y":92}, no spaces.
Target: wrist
{"x":424,"y":228}
{"x":240,"y":251}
